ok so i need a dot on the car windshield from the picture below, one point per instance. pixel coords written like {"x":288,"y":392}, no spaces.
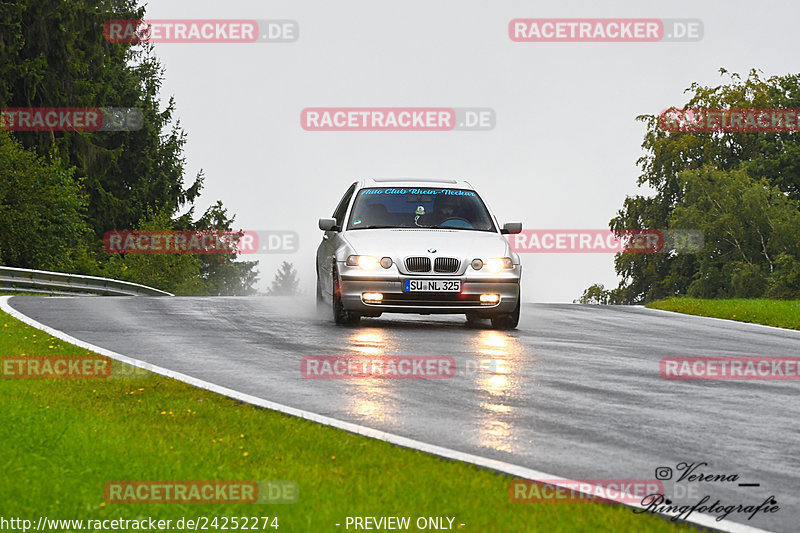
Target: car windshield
{"x":399,"y":207}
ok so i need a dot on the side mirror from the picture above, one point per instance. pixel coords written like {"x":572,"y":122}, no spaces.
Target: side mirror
{"x":327,"y":224}
{"x":511,"y":227}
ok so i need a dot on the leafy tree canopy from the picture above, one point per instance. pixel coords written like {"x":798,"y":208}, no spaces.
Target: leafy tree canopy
{"x":741,"y":188}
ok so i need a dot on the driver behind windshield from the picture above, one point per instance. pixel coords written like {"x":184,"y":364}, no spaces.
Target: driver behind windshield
{"x":445,"y":208}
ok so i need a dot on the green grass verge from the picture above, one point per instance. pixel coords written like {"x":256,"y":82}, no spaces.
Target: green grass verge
{"x":63,"y":440}
{"x":779,"y":313}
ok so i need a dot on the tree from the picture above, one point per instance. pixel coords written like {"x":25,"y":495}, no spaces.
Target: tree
{"x":187,"y":274}
{"x":285,"y":282}
{"x":594,"y":294}
{"x":747,"y":224}
{"x":53,"y":54}
{"x":42,"y":213}
{"x":770,"y":158}
{"x":784,"y":283}
{"x":222,"y":273}
{"x":175,"y":273}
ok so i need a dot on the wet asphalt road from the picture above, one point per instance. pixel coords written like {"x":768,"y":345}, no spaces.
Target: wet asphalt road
{"x":574,"y":392}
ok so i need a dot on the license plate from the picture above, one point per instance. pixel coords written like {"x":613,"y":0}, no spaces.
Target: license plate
{"x":432,"y":285}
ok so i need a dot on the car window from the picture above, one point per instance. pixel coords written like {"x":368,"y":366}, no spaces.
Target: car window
{"x":419,"y":208}
{"x":341,"y":209}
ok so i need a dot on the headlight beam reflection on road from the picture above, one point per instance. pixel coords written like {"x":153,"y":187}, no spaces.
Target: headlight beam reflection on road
{"x":492,"y":379}
{"x":370,"y":398}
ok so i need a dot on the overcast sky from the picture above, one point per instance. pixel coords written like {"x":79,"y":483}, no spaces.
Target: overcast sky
{"x":562,"y":154}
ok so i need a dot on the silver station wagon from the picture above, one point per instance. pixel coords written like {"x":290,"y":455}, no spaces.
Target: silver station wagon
{"x":417,"y":246}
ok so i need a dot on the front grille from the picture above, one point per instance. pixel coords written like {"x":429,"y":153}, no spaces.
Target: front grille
{"x":446,"y":264}
{"x":418,"y":264}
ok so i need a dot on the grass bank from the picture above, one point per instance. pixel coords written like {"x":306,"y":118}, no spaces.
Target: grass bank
{"x":779,"y":313}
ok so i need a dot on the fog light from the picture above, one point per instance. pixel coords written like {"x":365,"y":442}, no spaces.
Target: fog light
{"x":490,"y":298}
{"x":372,"y":297}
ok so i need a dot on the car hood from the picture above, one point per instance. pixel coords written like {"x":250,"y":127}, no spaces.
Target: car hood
{"x":400,"y":243}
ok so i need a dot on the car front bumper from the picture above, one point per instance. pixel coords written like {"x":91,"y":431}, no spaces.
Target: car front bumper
{"x":395,"y":300}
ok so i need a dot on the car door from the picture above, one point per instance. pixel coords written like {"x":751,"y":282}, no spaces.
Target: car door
{"x":331,"y":240}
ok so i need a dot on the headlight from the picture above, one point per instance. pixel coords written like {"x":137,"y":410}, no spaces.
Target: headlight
{"x":498,"y":264}
{"x":477,"y":264}
{"x":386,"y":262}
{"x":366,"y":262}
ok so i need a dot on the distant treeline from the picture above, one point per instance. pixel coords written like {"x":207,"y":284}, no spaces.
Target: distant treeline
{"x":740,"y":188}
{"x":60,"y":191}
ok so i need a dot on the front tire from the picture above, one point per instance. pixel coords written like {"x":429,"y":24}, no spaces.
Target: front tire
{"x":507,"y":320}
{"x":473,"y":320}
{"x":341,"y":315}
{"x":321,"y":307}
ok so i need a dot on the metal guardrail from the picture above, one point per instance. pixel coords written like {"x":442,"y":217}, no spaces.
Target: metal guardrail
{"x":25,"y":280}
